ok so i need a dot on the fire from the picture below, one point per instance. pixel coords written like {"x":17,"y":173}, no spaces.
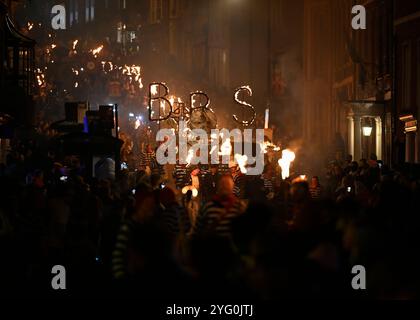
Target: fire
{"x":97,"y":51}
{"x":268,"y":145}
{"x":288,"y":157}
{"x":40,"y":77}
{"x":226,"y":148}
{"x":53,"y":46}
{"x":30,"y":26}
{"x":189,"y":157}
{"x":172,"y":100}
{"x":188,"y":188}
{"x":75,"y":42}
{"x":242,"y":162}
{"x":154,"y":89}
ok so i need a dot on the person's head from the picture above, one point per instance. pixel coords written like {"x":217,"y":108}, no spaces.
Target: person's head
{"x":314,"y":182}
{"x":233,"y":167}
{"x":149,"y":148}
{"x":299,"y":192}
{"x":195,"y":172}
{"x":225,"y":187}
{"x":214,"y":169}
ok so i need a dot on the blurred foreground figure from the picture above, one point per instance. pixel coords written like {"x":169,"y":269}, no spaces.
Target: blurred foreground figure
{"x":217,"y":215}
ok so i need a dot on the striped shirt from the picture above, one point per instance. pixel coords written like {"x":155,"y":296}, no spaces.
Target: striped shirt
{"x":119,"y":255}
{"x":239,"y":181}
{"x":268,"y":185}
{"x":176,"y":220}
{"x":180,"y":175}
{"x":316,"y":192}
{"x":216,"y":218}
{"x":148,"y":159}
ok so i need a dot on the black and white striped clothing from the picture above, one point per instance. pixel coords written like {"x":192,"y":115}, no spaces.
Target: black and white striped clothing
{"x":216,"y":218}
{"x":176,"y":220}
{"x":268,"y":185}
{"x":239,"y":181}
{"x":119,"y":255}
{"x":180,"y":175}
{"x":148,"y":159}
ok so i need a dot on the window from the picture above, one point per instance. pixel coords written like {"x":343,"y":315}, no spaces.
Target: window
{"x":71,"y":15}
{"x":90,"y":10}
{"x":156,"y":11}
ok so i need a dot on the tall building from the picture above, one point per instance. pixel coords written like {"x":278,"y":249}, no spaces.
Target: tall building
{"x":348,"y":75}
{"x":407,"y":80}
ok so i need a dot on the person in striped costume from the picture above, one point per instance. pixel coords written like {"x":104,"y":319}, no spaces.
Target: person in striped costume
{"x":216,"y":216}
{"x":148,"y":162}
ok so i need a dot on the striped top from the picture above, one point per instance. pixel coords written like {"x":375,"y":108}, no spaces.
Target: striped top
{"x":148,"y":159}
{"x":119,"y":255}
{"x":239,"y":181}
{"x":180,"y":175}
{"x":268,"y":185}
{"x":316,"y":192}
{"x":217,"y":218}
{"x":176,"y":220}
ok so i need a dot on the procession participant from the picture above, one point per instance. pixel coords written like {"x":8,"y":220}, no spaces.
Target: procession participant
{"x":239,"y":180}
{"x":216,"y":216}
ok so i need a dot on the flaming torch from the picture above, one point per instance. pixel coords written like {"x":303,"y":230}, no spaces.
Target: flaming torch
{"x":189,"y":157}
{"x":288,"y":157}
{"x":242,"y":162}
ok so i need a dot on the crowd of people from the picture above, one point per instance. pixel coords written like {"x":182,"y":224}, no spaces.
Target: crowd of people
{"x":205,"y":232}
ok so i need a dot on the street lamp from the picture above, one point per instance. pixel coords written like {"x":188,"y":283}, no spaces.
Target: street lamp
{"x":367,"y":131}
{"x":367,"y":127}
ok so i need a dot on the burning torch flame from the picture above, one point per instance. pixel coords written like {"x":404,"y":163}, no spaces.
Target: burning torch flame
{"x":288,"y":157}
{"x":154,"y":89}
{"x":242,"y":162}
{"x":226,"y":148}
{"x":96,"y":51}
{"x":189,"y":157}
{"x":187,"y":188}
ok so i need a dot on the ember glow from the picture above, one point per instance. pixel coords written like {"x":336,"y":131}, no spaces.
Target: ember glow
{"x":266,"y":146}
{"x":288,"y":157}
{"x":40,"y":77}
{"x":188,"y":188}
{"x":190,"y":156}
{"x":97,"y":51}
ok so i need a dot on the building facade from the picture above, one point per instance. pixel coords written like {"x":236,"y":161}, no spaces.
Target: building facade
{"x":348,"y":79}
{"x":407,"y":80}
